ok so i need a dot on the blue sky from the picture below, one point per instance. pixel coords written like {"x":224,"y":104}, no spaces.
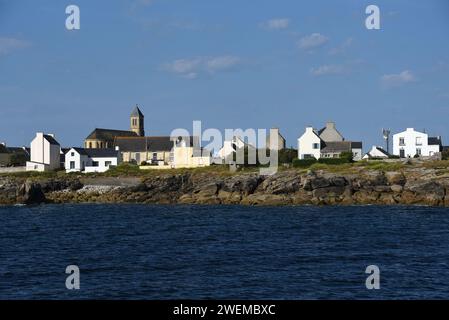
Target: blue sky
{"x":231,"y":64}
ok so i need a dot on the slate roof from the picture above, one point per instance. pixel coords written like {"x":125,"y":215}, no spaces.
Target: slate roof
{"x":340,"y":146}
{"x":51,"y":140}
{"x":18,"y":150}
{"x":96,"y":153}
{"x":434,"y":141}
{"x":102,"y":153}
{"x":109,"y":134}
{"x":144,"y":144}
{"x":22,"y":150}
{"x":136,"y":112}
{"x":382,"y":151}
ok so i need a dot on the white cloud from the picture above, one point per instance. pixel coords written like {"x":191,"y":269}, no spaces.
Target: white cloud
{"x":277,"y":24}
{"x":342,"y":47}
{"x":395,"y":80}
{"x":327,"y":70}
{"x":221,"y":63}
{"x":184,"y":65}
{"x":192,"y":68}
{"x":8,"y":45}
{"x":312,"y":41}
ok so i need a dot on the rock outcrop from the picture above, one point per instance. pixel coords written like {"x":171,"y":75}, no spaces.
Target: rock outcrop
{"x":287,"y":187}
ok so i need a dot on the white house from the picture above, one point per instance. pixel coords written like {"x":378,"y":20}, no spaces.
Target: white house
{"x":91,"y":160}
{"x":231,"y":146}
{"x":410,"y":143}
{"x":44,"y":154}
{"x":326,"y":143}
{"x":309,"y":144}
{"x":376,"y":153}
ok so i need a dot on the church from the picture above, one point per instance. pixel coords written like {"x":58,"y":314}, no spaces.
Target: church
{"x":134,"y":146}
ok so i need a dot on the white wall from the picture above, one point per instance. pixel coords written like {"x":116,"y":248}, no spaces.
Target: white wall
{"x":306,"y":142}
{"x":411,"y":143}
{"x":357,"y":154}
{"x":102,"y":167}
{"x":44,"y":154}
{"x":81,"y":161}
{"x":227,"y":147}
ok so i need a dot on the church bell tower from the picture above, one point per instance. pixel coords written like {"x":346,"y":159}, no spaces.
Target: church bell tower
{"x":137,"y":122}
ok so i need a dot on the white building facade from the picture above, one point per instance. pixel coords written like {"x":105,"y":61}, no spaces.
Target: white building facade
{"x":44,"y":153}
{"x":309,"y":145}
{"x":91,"y":160}
{"x":409,"y":143}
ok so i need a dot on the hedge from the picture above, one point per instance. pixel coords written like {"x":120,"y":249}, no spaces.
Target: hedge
{"x":303,"y":163}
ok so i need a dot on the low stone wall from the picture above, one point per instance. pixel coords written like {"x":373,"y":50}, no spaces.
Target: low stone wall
{"x":12,"y":169}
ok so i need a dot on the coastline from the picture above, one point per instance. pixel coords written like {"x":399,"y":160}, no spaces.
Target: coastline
{"x":409,"y":185}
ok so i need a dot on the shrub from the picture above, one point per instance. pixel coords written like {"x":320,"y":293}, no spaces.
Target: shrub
{"x":287,"y":155}
{"x":445,"y":155}
{"x":347,"y":155}
{"x":144,"y":163}
{"x":303,"y":163}
{"x":334,"y":160}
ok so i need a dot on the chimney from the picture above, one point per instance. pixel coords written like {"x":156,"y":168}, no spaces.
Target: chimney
{"x":330,"y":125}
{"x":40,"y":135}
{"x":51,"y":135}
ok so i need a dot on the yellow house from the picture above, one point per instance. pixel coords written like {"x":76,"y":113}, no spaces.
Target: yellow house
{"x":187,"y":155}
{"x":152,"y":150}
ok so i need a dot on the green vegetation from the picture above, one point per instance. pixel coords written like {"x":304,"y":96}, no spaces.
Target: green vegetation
{"x":287,"y":155}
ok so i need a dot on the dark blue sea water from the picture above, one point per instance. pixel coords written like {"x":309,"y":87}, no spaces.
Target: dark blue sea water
{"x":190,"y":252}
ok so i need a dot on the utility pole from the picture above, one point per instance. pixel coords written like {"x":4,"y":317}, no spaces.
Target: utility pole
{"x":386,"y":135}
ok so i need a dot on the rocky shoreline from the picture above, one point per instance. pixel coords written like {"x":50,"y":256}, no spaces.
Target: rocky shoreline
{"x":416,"y":186}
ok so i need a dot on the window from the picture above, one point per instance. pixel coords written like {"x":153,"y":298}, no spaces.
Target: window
{"x":316,"y":146}
{"x":72,"y":165}
{"x":90,"y":145}
{"x":402,"y":141}
{"x":95,"y":164}
{"x":107,"y":163}
{"x":72,"y":154}
{"x":418,"y":141}
{"x":418,"y":151}
{"x":402,"y":153}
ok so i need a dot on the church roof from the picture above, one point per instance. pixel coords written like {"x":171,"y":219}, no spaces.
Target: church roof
{"x":136,"y":112}
{"x":109,"y":134}
{"x":144,"y":144}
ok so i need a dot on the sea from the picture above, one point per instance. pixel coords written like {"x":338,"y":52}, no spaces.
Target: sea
{"x":154,"y":252}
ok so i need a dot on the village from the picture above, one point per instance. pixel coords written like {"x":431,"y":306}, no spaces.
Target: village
{"x":108,"y":148}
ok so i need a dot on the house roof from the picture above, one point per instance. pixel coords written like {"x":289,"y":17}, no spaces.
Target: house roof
{"x":356,"y":144}
{"x":330,"y":126}
{"x":97,"y":153}
{"x":136,"y":112}
{"x":382,"y":151}
{"x":340,"y":146}
{"x":144,"y":144}
{"x":51,"y":140}
{"x":109,"y":134}
{"x":18,"y":150}
{"x":434,"y":141}
{"x":101,"y":153}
